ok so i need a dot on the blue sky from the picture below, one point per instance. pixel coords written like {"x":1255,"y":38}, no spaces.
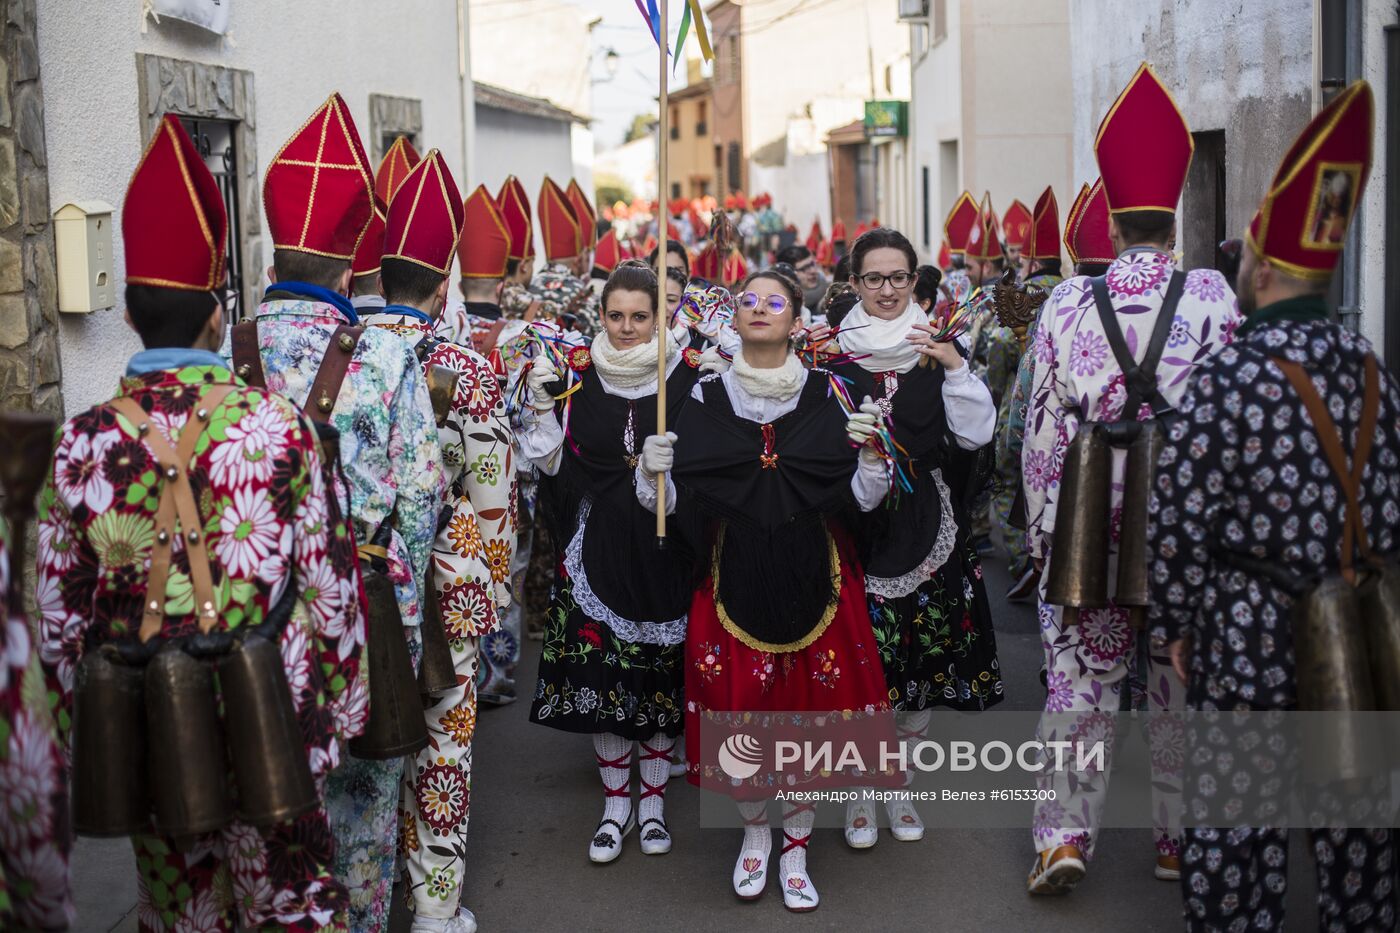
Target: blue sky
{"x":634,"y":89}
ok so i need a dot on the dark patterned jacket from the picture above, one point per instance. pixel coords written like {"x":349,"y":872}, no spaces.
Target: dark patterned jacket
{"x":1242,"y":472}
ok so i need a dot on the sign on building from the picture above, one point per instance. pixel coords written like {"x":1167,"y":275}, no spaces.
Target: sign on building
{"x":886,"y":118}
{"x":210,"y":14}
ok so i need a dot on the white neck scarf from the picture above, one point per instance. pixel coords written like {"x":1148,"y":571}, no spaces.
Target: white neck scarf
{"x":879,"y":343}
{"x":630,"y":368}
{"x":781,"y":383}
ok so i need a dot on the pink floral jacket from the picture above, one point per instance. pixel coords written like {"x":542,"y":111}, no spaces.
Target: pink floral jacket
{"x":1077,"y":378}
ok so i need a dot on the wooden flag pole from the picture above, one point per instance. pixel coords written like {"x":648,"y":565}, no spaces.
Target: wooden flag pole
{"x":663,"y":314}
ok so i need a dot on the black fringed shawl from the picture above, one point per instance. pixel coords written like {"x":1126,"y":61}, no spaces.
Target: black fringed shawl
{"x":625,"y":569}
{"x":768,"y":491}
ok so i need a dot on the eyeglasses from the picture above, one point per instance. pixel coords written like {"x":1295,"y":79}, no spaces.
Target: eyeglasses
{"x":772,"y":304}
{"x":874,"y":280}
{"x":807,"y":266}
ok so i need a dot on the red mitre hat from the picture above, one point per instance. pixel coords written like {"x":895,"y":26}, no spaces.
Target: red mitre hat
{"x":1044,"y":239}
{"x":514,"y":205}
{"x":1071,"y":219}
{"x":984,"y":242}
{"x":838,"y":232}
{"x":741,"y":202}
{"x":424,"y":225}
{"x":484,"y":248}
{"x":672,"y":231}
{"x":173,"y":220}
{"x":677,"y":206}
{"x":874,"y":222}
{"x":558,"y":223}
{"x":814,"y":239}
{"x":1090,"y":234}
{"x":860,"y":230}
{"x":609,"y":252}
{"x":397,"y":163}
{"x":587,"y":220}
{"x":649,"y":244}
{"x":1302,"y":223}
{"x":1016,"y":224}
{"x":1144,"y":147}
{"x":318,"y":193}
{"x":826,"y":253}
{"x":366,"y":261}
{"x":945,"y":255}
{"x":696,"y":224}
{"x":957,"y":227}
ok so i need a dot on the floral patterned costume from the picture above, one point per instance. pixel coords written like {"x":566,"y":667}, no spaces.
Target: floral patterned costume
{"x":393,"y":463}
{"x":569,"y":294}
{"x":34,"y":883}
{"x":471,"y":571}
{"x":1077,"y":379}
{"x":1003,"y":370}
{"x":269,"y":523}
{"x":1242,"y":473}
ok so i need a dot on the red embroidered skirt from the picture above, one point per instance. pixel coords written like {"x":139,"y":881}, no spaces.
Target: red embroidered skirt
{"x":838,"y":673}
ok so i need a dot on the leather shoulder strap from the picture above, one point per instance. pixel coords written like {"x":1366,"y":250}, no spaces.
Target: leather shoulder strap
{"x":325,"y":389}
{"x":177,"y":513}
{"x":1330,"y":437}
{"x":486,"y":342}
{"x":247,"y":361}
{"x":1140,"y":378}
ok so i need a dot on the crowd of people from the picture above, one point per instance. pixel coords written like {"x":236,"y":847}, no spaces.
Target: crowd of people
{"x":281,"y":571}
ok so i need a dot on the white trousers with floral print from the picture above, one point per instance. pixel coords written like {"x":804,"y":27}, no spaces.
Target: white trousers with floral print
{"x":437,"y":794}
{"x":1088,"y":668}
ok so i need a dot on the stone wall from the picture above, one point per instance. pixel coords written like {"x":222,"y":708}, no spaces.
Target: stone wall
{"x":29,"y":360}
{"x":195,"y":89}
{"x":393,"y":116}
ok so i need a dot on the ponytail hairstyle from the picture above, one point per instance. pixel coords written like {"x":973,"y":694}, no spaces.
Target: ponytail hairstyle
{"x":631,"y":275}
{"x":926,"y":282}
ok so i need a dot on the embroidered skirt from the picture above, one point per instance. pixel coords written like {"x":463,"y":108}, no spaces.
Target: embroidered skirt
{"x":936,"y":644}
{"x":726,"y":671}
{"x":593,"y":681}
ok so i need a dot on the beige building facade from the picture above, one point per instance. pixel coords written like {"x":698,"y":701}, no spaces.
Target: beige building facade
{"x":991,"y":109}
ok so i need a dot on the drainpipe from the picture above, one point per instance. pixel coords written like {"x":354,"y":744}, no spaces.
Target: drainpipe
{"x":465,"y":93}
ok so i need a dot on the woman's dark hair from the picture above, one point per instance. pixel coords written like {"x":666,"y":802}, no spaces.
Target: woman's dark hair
{"x":840,"y":299}
{"x":882,"y":238}
{"x":926,"y":281}
{"x":793,"y":254}
{"x":784,"y":275}
{"x":676,"y":275}
{"x":168,"y":317}
{"x":512,"y":267}
{"x":631,"y":275}
{"x":843,"y":269}
{"x":672,"y":246}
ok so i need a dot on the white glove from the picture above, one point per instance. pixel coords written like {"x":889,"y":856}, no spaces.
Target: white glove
{"x":712,"y":362}
{"x":658,"y":454}
{"x":860,"y":428}
{"x":542,"y":373}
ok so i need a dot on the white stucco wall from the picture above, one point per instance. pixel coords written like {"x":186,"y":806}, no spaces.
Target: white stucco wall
{"x":792,"y":60}
{"x":298,"y":52}
{"x":1245,"y":68}
{"x":935,"y":116}
{"x":1377,"y":15}
{"x":998,"y":86}
{"x":509,"y":143}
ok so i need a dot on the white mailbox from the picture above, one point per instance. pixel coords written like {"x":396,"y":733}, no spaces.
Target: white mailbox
{"x":83,"y":241}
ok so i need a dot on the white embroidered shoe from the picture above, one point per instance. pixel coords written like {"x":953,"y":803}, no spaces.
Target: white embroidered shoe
{"x":607,"y":841}
{"x":862,"y":831}
{"x":905,"y":825}
{"x":799,"y":896}
{"x":656,"y":838}
{"x":751,"y":874}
